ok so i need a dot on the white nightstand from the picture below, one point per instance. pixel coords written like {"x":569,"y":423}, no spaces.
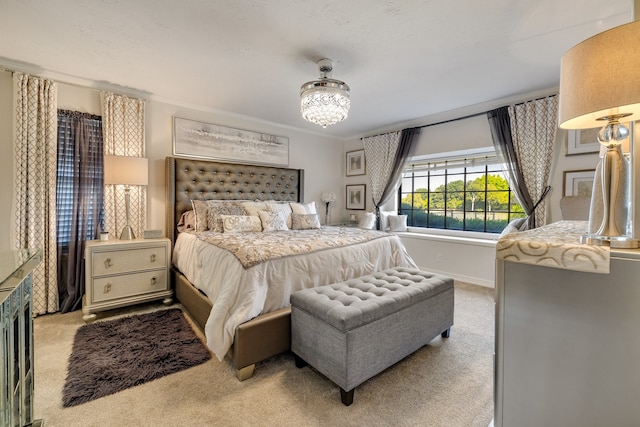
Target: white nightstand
{"x":125,"y":272}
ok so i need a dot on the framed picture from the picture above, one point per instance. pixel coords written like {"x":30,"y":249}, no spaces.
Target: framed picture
{"x":209,"y":141}
{"x":578,"y":183}
{"x":583,"y":141}
{"x":356,"y":196}
{"x":355,"y":163}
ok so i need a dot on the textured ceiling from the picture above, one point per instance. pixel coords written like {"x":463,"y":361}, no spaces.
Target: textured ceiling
{"x":403,"y":60}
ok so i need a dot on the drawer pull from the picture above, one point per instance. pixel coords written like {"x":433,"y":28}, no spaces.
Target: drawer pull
{"x":153,"y":257}
{"x":154,"y":281}
{"x":107,"y":288}
{"x":108,"y":263}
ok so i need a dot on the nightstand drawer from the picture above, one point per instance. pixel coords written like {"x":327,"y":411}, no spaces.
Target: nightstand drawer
{"x":114,"y":262}
{"x":127,"y":285}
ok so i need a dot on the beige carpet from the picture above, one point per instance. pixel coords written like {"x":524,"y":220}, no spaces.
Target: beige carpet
{"x":447,"y":383}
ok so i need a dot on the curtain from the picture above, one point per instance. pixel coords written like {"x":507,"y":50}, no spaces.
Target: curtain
{"x":123,"y":131}
{"x":35,"y":182}
{"x":386,"y":156}
{"x":523,"y":135}
{"x":79,"y":199}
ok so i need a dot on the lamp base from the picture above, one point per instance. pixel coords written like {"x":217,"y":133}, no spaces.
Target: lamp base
{"x":127,"y":233}
{"x":616,"y":242}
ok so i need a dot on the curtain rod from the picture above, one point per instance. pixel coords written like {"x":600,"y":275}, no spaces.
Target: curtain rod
{"x":106,"y":88}
{"x":469,"y":116}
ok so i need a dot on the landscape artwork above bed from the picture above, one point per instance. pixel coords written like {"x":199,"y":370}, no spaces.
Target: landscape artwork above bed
{"x":198,"y":139}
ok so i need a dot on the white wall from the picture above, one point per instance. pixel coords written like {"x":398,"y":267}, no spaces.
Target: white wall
{"x":319,"y":156}
{"x":6,"y":160}
{"x":468,"y":259}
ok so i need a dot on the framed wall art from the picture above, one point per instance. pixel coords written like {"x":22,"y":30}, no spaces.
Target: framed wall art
{"x":204,"y":140}
{"x":355,"y":163}
{"x":583,"y":141}
{"x":578,"y":183}
{"x":356,"y":197}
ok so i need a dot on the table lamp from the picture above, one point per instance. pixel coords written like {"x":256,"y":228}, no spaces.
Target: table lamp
{"x":127,"y":171}
{"x":600,"y":85}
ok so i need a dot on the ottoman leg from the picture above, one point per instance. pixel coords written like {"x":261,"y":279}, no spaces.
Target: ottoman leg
{"x":446,"y":333}
{"x":347,"y":396}
{"x":300,"y":363}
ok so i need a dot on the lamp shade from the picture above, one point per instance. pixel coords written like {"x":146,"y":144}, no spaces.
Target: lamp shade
{"x":126,"y":170}
{"x":600,"y":77}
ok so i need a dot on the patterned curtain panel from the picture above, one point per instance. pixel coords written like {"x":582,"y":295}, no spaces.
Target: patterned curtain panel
{"x":380,"y":154}
{"x":533,"y":131}
{"x":123,"y":130}
{"x":35,"y":182}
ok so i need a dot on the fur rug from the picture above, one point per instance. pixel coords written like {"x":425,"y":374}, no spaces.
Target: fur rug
{"x":111,"y":356}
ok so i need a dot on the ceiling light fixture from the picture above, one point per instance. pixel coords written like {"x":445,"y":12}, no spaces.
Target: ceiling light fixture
{"x":324,"y":101}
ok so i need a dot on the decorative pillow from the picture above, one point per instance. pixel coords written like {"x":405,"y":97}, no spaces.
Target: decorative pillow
{"x":272,"y":221}
{"x":397,"y":223}
{"x":187,"y":222}
{"x":384,"y":220}
{"x":303,"y":208}
{"x":253,"y":208}
{"x":241,"y":223}
{"x":200,"y":209}
{"x":217,"y":209}
{"x":283,"y":208}
{"x":304,"y":221}
{"x":368,"y":221}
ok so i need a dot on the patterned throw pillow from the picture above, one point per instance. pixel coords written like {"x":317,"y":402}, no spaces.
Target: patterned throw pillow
{"x":283,"y":208}
{"x":241,"y":223}
{"x":303,"y":208}
{"x":200,"y":209}
{"x":219,"y":208}
{"x":272,"y":221}
{"x":304,"y":221}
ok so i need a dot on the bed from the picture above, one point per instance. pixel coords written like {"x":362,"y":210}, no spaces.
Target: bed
{"x":250,"y":318}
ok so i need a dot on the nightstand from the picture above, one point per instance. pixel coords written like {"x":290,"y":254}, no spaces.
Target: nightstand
{"x":125,"y":272}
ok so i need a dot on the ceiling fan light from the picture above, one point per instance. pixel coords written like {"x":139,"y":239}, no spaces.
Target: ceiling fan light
{"x":325,"y":101}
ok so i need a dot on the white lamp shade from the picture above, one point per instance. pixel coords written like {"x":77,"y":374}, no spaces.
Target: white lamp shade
{"x":126,"y":170}
{"x":601,"y":77}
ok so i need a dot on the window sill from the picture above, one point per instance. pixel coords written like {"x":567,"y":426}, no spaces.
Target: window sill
{"x":452,"y":236}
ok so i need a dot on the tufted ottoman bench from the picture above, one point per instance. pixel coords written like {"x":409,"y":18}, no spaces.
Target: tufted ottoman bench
{"x":353,"y":330}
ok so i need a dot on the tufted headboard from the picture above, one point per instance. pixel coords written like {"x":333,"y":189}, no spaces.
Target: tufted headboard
{"x":196,"y":179}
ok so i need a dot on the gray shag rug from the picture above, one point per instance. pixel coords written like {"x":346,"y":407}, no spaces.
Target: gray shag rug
{"x":111,"y":356}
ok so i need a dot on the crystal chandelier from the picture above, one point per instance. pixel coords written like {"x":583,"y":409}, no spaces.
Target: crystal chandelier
{"x":324,"y":101}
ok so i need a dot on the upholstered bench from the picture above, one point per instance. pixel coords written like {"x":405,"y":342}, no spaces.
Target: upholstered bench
{"x":353,"y":330}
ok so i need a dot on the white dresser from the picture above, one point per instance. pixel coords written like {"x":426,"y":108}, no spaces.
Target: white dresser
{"x":568,"y":344}
{"x":125,"y":272}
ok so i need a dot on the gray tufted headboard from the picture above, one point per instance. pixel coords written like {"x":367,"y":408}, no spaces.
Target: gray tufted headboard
{"x":196,"y":179}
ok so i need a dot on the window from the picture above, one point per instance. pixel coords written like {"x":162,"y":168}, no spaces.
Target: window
{"x":78,"y":179}
{"x":467,"y":192}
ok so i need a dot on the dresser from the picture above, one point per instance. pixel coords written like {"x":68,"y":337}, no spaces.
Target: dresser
{"x":125,"y":272}
{"x":567,"y":341}
{"x":16,"y":324}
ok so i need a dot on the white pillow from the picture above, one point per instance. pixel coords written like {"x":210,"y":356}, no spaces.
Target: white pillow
{"x":283,"y":208}
{"x":303,"y":208}
{"x":368,"y":221}
{"x":384,"y":219}
{"x":304,"y":221}
{"x":397,"y":223}
{"x":241,"y":224}
{"x":272,"y":221}
{"x":253,"y":208}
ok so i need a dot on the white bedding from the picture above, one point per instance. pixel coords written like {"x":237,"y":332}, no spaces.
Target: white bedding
{"x":239,"y":294}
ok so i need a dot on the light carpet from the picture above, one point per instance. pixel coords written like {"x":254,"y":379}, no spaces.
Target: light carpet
{"x":447,"y":383}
